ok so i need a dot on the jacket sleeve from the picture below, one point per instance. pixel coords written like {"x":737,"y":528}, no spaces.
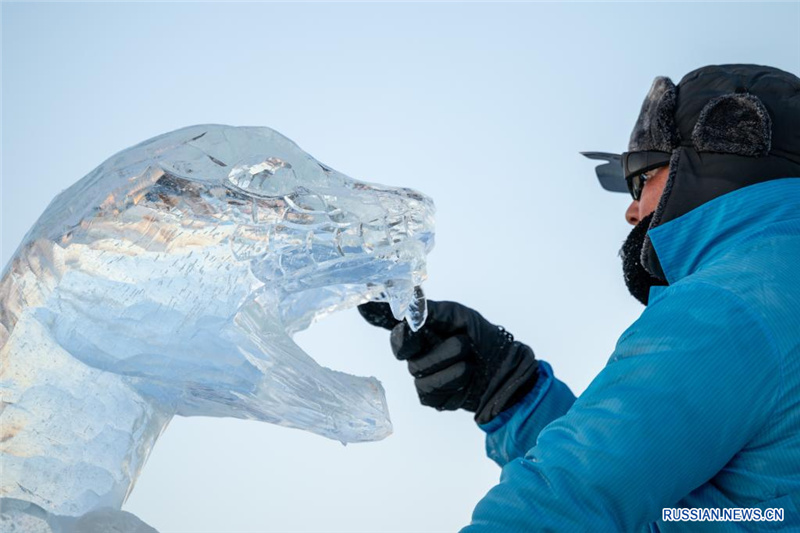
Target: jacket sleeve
{"x":513,"y":432}
{"x":688,"y":385}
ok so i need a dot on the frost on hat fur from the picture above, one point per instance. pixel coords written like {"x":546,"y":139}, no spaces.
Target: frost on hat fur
{"x":736,"y":123}
{"x":655,"y":128}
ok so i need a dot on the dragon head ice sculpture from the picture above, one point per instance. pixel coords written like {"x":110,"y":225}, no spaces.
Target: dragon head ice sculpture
{"x":170,"y":281}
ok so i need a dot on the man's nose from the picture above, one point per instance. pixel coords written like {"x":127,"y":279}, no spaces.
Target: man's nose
{"x":632,"y":214}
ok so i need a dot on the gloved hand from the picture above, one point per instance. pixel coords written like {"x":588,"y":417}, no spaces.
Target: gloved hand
{"x":459,"y":360}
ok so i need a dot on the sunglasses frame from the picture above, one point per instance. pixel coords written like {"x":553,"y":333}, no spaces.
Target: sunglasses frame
{"x":635,"y":165}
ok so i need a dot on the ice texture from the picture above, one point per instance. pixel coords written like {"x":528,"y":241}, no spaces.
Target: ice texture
{"x":169,"y":281}
{"x":20,"y":516}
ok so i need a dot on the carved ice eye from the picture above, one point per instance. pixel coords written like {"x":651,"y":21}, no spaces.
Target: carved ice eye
{"x":263,"y":177}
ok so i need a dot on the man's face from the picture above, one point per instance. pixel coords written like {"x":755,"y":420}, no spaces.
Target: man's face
{"x":651,"y":194}
{"x":639,"y":214}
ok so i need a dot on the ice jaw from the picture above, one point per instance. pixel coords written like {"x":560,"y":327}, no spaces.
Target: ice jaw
{"x":294,"y":391}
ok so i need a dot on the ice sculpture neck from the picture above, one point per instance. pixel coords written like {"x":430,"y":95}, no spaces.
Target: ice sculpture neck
{"x":110,"y":432}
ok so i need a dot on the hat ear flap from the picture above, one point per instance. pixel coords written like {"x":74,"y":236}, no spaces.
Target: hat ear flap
{"x":736,"y":123}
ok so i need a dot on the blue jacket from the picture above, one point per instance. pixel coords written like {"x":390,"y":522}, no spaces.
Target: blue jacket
{"x":698,"y":406}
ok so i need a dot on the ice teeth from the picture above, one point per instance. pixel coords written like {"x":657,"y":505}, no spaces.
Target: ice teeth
{"x":417,"y":311}
{"x":407,"y":302}
{"x":400,"y":293}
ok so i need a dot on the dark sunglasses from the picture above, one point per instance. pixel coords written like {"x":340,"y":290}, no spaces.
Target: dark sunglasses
{"x":627,"y":172}
{"x":636,"y":165}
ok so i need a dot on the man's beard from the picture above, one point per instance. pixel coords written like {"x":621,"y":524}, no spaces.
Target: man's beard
{"x":637,"y":278}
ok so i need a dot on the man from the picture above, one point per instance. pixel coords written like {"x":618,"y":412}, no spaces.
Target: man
{"x":699,"y":405}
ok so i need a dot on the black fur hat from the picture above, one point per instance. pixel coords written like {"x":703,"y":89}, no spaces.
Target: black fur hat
{"x":727,"y":127}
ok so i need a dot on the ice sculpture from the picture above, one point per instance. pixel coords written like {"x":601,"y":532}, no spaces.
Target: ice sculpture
{"x":170,"y":281}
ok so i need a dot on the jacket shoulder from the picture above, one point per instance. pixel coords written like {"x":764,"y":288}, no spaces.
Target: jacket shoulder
{"x":762,"y":274}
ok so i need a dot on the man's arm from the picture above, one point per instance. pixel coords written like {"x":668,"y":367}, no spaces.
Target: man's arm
{"x":514,"y":431}
{"x":462,"y":361}
{"x":689,"y":384}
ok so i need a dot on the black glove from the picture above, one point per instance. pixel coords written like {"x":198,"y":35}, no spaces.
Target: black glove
{"x":459,"y":360}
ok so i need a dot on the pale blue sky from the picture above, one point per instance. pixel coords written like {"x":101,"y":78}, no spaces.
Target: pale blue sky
{"x":484,"y":107}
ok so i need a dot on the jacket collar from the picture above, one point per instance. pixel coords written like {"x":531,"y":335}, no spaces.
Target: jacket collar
{"x":685,"y":244}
